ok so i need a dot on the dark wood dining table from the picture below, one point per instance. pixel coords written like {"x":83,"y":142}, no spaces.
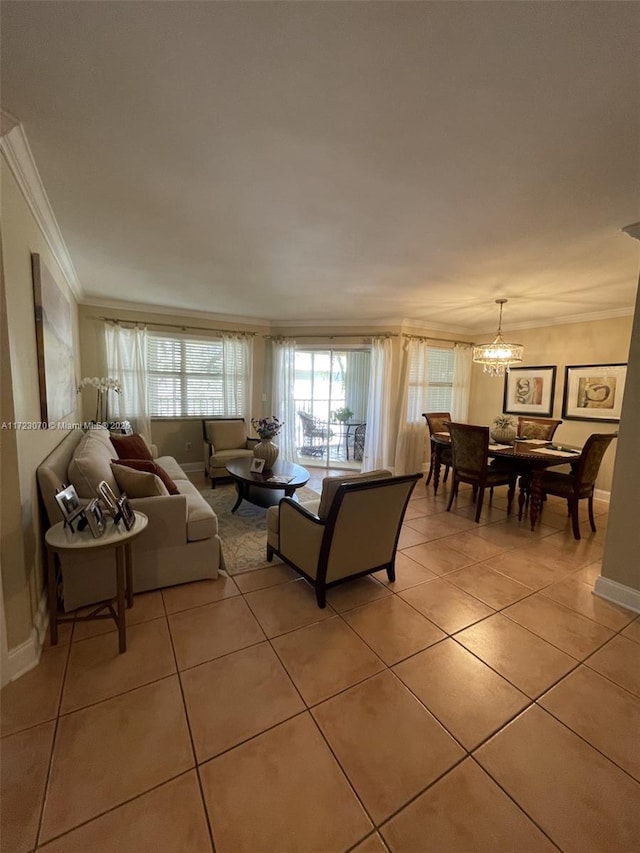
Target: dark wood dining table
{"x":524,"y":457}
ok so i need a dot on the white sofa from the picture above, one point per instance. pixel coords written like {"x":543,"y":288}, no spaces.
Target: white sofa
{"x":180,"y":544}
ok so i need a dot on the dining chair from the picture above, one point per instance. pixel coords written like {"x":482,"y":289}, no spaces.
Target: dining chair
{"x":542,"y":428}
{"x":470,"y":455}
{"x":578,"y":485}
{"x":438,"y":422}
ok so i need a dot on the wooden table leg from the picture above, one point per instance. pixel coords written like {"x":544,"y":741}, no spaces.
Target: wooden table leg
{"x":240,"y":488}
{"x":120,"y":586}
{"x":128,"y":574}
{"x":536,"y":497}
{"x":53,"y":598}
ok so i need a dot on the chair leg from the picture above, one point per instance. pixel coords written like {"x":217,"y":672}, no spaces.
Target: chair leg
{"x":269,"y":553}
{"x":391,"y":572}
{"x":575,"y":519}
{"x":591,"y":518}
{"x":430,"y":474}
{"x":213,"y":483}
{"x":454,"y":492}
{"x":510,"y":495}
{"x":446,"y":473}
{"x":321,"y":596}
{"x":479,"y":504}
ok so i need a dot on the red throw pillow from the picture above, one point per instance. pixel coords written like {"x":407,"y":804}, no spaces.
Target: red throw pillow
{"x":150,"y":467}
{"x":131,"y":446}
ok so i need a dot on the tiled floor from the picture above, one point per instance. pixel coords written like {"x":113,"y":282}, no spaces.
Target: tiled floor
{"x":485,"y":701}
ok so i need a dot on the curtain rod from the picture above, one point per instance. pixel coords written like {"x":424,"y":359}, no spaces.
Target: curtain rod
{"x":331,"y":337}
{"x":431,"y":338}
{"x":118,"y":320}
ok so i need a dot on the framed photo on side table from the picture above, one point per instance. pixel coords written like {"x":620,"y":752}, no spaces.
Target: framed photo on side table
{"x":125,"y":512}
{"x":95,"y":518}
{"x":69,"y":503}
{"x":529,"y":391}
{"x":593,"y":392}
{"x":257,"y":466}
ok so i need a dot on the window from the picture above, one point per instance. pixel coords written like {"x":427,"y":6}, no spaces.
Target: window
{"x":430,"y":389}
{"x":198,"y":377}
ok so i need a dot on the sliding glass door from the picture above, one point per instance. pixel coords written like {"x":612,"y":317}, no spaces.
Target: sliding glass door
{"x":331,"y":395}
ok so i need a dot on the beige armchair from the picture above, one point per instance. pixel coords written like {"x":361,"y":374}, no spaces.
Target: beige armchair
{"x":351,"y":531}
{"x":224,"y":439}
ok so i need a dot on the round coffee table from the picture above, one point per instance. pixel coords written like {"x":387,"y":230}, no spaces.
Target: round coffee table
{"x":261,"y":489}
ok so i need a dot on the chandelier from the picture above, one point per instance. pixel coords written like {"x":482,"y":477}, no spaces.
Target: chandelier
{"x":498,"y":356}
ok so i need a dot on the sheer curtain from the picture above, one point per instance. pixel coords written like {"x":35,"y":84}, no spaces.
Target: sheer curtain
{"x":376,"y":444}
{"x":414,"y":383}
{"x":284,"y":364}
{"x":237,"y":369}
{"x":127,"y":362}
{"x":461,"y":382}
{"x":356,"y":384}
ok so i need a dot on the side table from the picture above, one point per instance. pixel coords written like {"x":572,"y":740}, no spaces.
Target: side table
{"x":59,"y":538}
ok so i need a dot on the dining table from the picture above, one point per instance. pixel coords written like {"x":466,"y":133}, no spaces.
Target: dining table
{"x":528,"y":456}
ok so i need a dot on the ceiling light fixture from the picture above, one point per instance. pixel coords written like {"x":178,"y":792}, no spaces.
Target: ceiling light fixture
{"x":498,"y":356}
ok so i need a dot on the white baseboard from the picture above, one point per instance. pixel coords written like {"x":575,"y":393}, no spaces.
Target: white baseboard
{"x":617,"y":593}
{"x":191,"y":467}
{"x":601,"y":495}
{"x":26,"y":656}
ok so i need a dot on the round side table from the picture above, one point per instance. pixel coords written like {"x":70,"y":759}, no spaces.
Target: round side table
{"x":60,"y":538}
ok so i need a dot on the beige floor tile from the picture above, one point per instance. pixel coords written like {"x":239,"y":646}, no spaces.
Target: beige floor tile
{"x":490,"y":587}
{"x":97,"y":671}
{"x":146,"y":606}
{"x":146,"y":823}
{"x":354,"y":593}
{"x":521,"y":565}
{"x":589,"y":574}
{"x":208,"y":632}
{"x":619,"y":661}
{"x":632,"y":631}
{"x":438,"y":557}
{"x":509,"y":534}
{"x":287,"y":607}
{"x":264,"y":578}
{"x":236,"y":697}
{"x":572,"y":792}
{"x":470,"y":699}
{"x":567,"y":630}
{"x":465,"y":812}
{"x":438,"y":526}
{"x":528,"y":662}
{"x":23,"y":776}
{"x":473,"y":546}
{"x":372,"y":844}
{"x":325,"y":658}
{"x":393,"y":629}
{"x":417,"y":508}
{"x":408,"y":574}
{"x":194,"y":594}
{"x":409,"y":537}
{"x":282,"y":791}
{"x":443,"y":603}
{"x":578,"y":596}
{"x":108,"y":753}
{"x":34,"y":697}
{"x":605,"y":715}
{"x":564,"y":552}
{"x":389,"y":745}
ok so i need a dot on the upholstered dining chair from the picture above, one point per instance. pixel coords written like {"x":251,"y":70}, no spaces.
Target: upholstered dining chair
{"x":470,"y":452}
{"x":351,"y":531}
{"x":438,"y":422}
{"x":580,"y":484}
{"x":542,"y":428}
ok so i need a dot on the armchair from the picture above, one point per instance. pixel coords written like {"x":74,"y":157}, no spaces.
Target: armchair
{"x":224,"y":439}
{"x":329,"y":542}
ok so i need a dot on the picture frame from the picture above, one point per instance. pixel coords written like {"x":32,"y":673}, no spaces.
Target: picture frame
{"x":69,"y":503}
{"x":257,"y":466}
{"x":593,"y":392}
{"x":125,"y":512}
{"x":54,"y":345}
{"x":108,"y":497}
{"x":530,"y":391}
{"x":95,"y":518}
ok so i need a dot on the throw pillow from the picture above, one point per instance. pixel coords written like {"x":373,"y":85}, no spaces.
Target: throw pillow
{"x":151,"y":467}
{"x":131,"y":446}
{"x":91,"y":463}
{"x":138,"y":484}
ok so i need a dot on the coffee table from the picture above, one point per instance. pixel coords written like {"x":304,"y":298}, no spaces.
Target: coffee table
{"x":259,"y":489}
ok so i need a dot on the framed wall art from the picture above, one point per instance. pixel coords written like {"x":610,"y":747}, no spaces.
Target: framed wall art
{"x":529,"y":391}
{"x":54,"y":340}
{"x":593,"y":392}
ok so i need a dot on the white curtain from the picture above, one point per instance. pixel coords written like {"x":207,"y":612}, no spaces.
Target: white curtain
{"x":461,"y":382}
{"x":127,"y":362}
{"x":377,"y":438}
{"x":284,"y":364}
{"x":414,"y":384}
{"x":237,"y":370}
{"x":356,"y":384}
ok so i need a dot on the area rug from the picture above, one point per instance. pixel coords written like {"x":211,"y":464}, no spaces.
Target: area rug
{"x":244,"y":534}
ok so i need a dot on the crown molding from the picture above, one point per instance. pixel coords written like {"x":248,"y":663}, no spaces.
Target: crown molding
{"x":15,"y":147}
{"x":561,"y":321}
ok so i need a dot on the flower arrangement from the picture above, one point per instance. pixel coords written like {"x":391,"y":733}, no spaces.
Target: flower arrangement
{"x":103,"y":384}
{"x":342,"y":415}
{"x":503,"y":421}
{"x":267,"y":428}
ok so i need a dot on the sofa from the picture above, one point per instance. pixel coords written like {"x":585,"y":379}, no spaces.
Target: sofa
{"x":224,"y":439}
{"x":180,"y":543}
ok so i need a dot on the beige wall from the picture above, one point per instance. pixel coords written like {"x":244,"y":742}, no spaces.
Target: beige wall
{"x":596,"y":342}
{"x":22,"y":452}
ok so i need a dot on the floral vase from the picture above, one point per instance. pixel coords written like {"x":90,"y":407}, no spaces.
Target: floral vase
{"x":267,"y":450}
{"x":503,"y":435}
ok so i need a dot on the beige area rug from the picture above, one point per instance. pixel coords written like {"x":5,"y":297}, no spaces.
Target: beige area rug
{"x":244,"y":534}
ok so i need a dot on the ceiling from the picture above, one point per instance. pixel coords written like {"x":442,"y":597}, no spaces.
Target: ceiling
{"x":338,"y":161}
